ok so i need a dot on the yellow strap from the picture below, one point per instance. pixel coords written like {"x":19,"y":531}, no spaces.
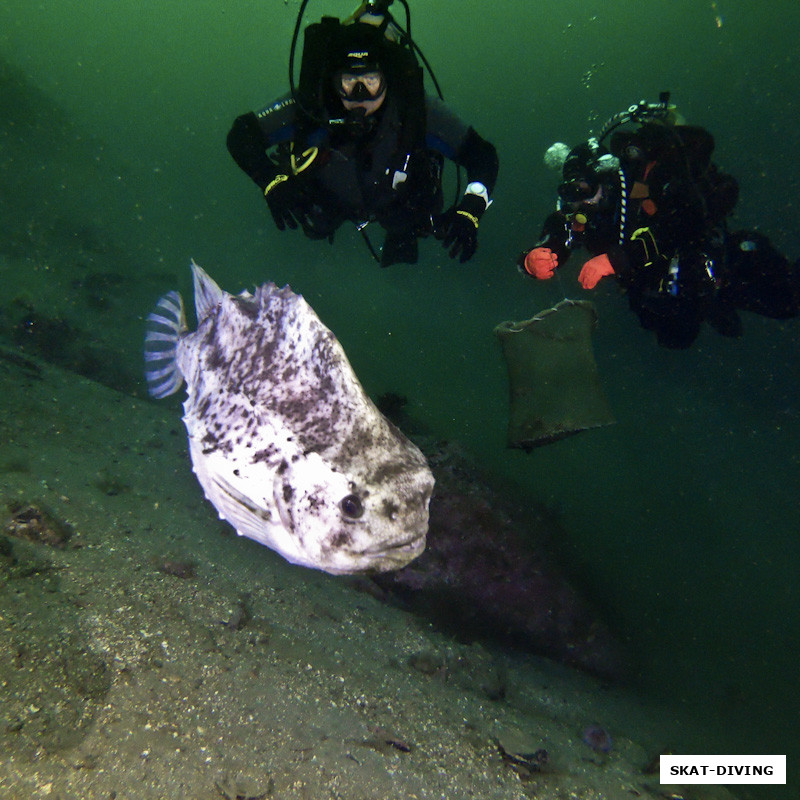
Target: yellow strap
{"x":645,"y":236}
{"x":274,"y":182}
{"x":309,"y":155}
{"x":471,"y":217}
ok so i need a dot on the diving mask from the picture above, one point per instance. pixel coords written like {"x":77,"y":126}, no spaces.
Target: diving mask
{"x":578,"y":191}
{"x":359,"y":86}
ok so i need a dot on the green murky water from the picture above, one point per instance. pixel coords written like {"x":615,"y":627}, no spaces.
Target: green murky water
{"x":682,"y":518}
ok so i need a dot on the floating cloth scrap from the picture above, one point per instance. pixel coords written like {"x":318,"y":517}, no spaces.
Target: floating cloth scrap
{"x":554,"y":383}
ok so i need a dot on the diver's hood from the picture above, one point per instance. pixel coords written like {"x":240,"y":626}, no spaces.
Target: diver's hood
{"x":360,"y":46}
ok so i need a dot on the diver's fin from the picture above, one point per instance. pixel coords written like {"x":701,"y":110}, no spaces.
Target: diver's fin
{"x":165,"y":326}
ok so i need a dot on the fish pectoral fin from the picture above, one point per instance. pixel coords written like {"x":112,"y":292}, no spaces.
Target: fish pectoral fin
{"x":281,"y":494}
{"x":237,"y":505}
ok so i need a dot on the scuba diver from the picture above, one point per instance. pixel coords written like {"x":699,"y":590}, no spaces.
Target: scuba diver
{"x":650,"y":207}
{"x":359,"y":140}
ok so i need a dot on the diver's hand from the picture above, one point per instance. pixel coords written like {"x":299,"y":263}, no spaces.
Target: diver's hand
{"x":541,"y":263}
{"x":457,"y":228}
{"x":283,"y":199}
{"x":594,"y":269}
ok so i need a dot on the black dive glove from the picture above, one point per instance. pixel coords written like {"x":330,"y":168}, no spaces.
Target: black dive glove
{"x":284,"y":199}
{"x":458,"y":227}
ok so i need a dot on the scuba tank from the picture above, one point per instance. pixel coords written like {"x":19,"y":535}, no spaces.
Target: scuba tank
{"x":374,"y":34}
{"x":323,"y":42}
{"x":636,"y":157}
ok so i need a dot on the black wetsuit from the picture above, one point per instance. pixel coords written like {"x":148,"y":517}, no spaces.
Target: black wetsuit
{"x":364,"y":173}
{"x":668,"y":242}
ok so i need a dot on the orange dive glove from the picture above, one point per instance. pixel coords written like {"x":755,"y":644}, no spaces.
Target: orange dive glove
{"x":541,"y":262}
{"x":594,"y":269}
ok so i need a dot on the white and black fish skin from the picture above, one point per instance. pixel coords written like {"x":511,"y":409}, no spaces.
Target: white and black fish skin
{"x":283,"y":439}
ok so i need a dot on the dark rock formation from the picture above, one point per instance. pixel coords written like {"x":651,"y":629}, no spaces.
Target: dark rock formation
{"x":486,"y":573}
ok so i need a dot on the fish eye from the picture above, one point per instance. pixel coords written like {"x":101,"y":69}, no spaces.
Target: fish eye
{"x":351,"y":506}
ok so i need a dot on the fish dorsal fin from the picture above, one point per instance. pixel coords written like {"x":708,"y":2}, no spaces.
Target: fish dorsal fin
{"x":207,"y":295}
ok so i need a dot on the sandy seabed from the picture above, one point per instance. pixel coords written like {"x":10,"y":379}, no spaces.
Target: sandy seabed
{"x":148,"y":652}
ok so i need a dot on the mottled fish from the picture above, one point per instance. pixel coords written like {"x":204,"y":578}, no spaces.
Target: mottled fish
{"x":283,"y":439}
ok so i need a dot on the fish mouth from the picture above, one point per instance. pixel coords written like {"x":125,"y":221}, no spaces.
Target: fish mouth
{"x":378,"y":558}
{"x":416,"y":542}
